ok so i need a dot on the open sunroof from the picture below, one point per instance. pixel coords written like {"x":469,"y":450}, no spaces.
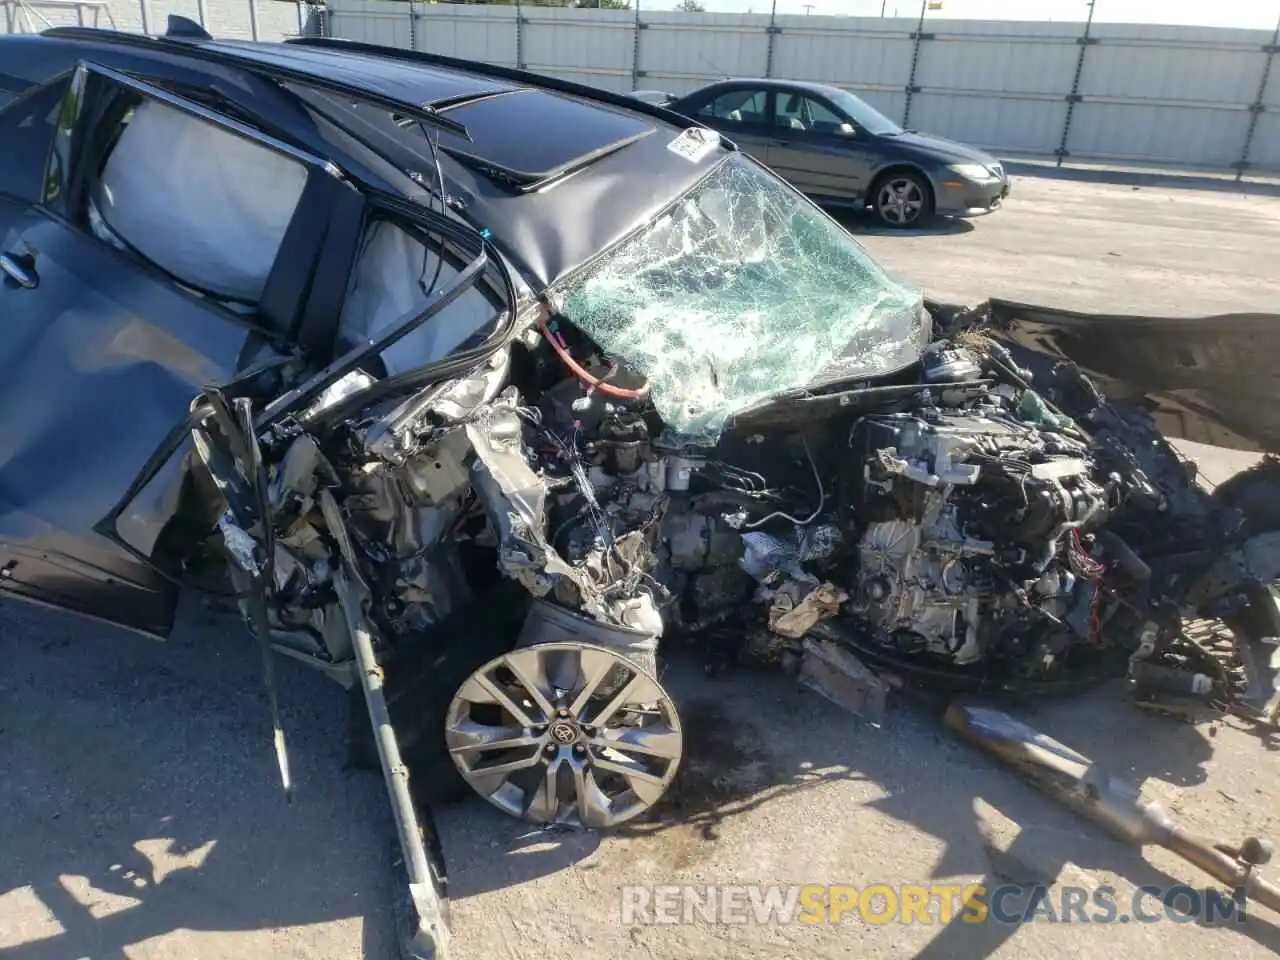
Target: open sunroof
{"x":530,"y":137}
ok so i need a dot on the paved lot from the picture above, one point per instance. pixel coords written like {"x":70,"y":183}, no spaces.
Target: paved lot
{"x":138,"y":816}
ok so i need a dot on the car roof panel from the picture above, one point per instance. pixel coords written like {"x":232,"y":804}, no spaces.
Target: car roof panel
{"x":398,"y":79}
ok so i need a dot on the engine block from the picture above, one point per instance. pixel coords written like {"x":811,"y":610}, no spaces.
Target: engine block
{"x":959,"y":502}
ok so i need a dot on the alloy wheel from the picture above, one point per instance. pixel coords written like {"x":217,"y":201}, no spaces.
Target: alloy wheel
{"x":900,"y":201}
{"x":565,"y":733}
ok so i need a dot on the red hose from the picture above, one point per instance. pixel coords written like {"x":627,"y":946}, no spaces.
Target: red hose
{"x":595,"y":383}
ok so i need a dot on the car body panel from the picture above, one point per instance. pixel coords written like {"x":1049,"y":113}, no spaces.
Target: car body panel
{"x":100,"y":361}
{"x":103,"y":357}
{"x":825,"y":165}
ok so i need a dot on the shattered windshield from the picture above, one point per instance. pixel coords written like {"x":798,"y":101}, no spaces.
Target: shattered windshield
{"x":740,"y":291}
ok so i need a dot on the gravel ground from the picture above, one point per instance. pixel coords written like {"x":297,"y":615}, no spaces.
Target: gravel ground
{"x":139,"y":817}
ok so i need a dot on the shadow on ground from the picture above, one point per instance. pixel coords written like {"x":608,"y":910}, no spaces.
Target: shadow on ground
{"x":140,"y":798}
{"x":864,"y":223}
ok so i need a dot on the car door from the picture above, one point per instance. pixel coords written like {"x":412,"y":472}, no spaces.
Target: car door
{"x":742,"y":113}
{"x":819,"y":149}
{"x":108,"y":334}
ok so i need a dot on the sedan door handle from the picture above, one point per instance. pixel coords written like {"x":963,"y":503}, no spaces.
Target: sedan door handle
{"x":20,"y":269}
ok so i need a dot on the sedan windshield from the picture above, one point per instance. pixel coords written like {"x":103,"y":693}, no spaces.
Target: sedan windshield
{"x":740,"y":291}
{"x":864,"y":114}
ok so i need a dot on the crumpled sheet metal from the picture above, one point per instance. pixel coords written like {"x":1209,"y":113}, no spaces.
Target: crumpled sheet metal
{"x":516,"y":499}
{"x":793,"y":619}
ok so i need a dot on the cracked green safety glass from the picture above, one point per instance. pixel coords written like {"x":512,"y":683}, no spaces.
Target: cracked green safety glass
{"x":743,"y":290}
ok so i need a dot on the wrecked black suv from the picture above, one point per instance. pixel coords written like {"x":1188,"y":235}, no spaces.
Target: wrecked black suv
{"x":468,"y":387}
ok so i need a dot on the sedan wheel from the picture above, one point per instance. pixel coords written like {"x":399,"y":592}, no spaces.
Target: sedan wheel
{"x":901,"y":201}
{"x":565,"y":733}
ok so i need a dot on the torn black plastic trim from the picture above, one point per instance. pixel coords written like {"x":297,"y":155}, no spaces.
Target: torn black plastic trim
{"x":1206,"y":379}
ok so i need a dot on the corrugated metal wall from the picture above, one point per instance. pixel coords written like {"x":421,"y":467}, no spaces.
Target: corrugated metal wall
{"x":1151,"y":94}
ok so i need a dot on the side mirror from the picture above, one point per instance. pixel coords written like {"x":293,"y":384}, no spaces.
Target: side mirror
{"x":846,"y":130}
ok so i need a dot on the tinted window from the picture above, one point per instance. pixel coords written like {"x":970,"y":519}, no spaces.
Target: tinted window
{"x":738,"y":106}
{"x":805,"y":113}
{"x":26,"y":129}
{"x":219,"y":238}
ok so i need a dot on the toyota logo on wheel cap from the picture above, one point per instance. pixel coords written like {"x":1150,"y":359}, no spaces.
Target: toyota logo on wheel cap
{"x":564,"y":732}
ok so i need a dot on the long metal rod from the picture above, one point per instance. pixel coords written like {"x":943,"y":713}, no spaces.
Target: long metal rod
{"x":431,"y":938}
{"x":1080,"y":784}
{"x":636,"y":27}
{"x":772,"y":31}
{"x":916,"y":37}
{"x":1256,"y":108}
{"x":1074,"y":96}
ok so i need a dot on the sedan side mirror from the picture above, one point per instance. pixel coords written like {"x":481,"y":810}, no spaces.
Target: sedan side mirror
{"x":846,"y":130}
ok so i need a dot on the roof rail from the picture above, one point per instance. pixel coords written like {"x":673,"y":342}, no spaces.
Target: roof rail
{"x":212,"y":53}
{"x":501,"y":73}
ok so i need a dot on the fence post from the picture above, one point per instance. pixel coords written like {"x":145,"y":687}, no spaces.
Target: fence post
{"x":145,"y":9}
{"x":1256,"y":108}
{"x":636,"y":72}
{"x":519,"y":36}
{"x":772,"y":30}
{"x":413,"y":28}
{"x":202,"y":12}
{"x":1085,"y":41}
{"x":253,"y":20}
{"x":917,"y":36}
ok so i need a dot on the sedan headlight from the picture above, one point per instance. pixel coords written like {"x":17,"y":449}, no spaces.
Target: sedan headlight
{"x":971,"y":171}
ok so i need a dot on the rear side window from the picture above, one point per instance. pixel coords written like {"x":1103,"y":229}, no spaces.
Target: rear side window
{"x":206,"y":206}
{"x":27,"y":126}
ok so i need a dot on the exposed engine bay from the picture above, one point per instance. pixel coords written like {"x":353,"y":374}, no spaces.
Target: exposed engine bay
{"x":975,"y":525}
{"x":493,"y":562}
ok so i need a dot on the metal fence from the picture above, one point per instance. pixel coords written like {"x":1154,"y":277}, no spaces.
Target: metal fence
{"x":1200,"y":97}
{"x":234,"y":19}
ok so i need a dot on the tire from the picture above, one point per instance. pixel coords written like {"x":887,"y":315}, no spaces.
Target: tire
{"x":420,"y":683}
{"x":902,"y":200}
